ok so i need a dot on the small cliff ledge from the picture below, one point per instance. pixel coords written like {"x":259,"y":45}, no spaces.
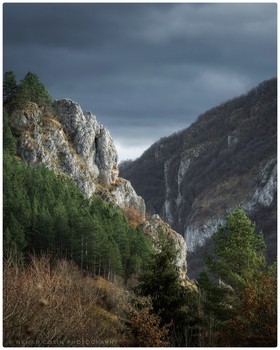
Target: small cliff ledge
{"x":72,"y":143}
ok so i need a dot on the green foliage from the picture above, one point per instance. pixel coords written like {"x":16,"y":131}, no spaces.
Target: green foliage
{"x":9,"y":141}
{"x":216,"y":295}
{"x":161,"y":281}
{"x":47,"y":213}
{"x":29,"y":89}
{"x":238,"y":305}
{"x":9,"y":87}
{"x":239,"y":250}
{"x":14,"y":240}
{"x":255,"y":323}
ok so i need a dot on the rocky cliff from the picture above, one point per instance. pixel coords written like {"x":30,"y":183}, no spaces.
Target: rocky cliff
{"x":71,"y":142}
{"x":227,"y":157}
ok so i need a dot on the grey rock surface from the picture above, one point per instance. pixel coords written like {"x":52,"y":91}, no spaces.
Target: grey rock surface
{"x":73,"y":143}
{"x":155,"y":227}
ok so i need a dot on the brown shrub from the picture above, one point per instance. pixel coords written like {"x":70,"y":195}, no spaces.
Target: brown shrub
{"x":57,"y":306}
{"x":144,"y":329}
{"x":46,"y":306}
{"x":133,"y":217}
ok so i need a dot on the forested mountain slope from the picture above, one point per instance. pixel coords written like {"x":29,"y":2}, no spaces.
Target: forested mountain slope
{"x":227,"y":157}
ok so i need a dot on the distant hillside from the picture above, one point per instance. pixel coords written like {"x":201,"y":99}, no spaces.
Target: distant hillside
{"x":227,"y":157}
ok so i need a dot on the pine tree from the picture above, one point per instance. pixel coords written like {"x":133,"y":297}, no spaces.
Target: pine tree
{"x":238,"y":250}
{"x":235,"y":281}
{"x":161,"y":281}
{"x":9,"y":141}
{"x":30,"y":89}
{"x":14,"y":237}
{"x":9,"y":87}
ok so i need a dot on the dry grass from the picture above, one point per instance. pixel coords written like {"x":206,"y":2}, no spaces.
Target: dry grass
{"x":58,"y":306}
{"x":133,"y":217}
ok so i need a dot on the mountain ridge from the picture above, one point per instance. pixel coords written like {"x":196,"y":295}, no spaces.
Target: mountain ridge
{"x":226,"y":157}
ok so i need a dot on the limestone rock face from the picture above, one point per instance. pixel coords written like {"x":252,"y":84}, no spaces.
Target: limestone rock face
{"x":91,"y":141}
{"x":155,"y":227}
{"x":72,"y":142}
{"x":125,"y":197}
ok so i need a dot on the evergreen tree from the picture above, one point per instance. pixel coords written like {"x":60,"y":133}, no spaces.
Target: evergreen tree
{"x":30,"y":89}
{"x":238,"y":250}
{"x":237,"y":275}
{"x":9,"y":87}
{"x":140,"y":251}
{"x":161,"y":281}
{"x":114,"y":260}
{"x":14,"y":238}
{"x":9,"y":141}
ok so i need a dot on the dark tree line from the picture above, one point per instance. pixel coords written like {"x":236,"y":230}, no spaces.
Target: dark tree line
{"x":29,"y":89}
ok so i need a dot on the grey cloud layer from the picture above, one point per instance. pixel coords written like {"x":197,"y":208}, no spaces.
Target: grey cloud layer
{"x":158,"y":65}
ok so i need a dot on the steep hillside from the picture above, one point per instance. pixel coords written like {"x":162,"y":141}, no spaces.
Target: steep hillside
{"x":73,"y":144}
{"x":227,"y":157}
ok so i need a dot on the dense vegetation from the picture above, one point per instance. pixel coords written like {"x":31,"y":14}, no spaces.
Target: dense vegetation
{"x":172,"y":299}
{"x":68,"y":261}
{"x":242,"y":307}
{"x":47,"y":213}
{"x":233,"y":302}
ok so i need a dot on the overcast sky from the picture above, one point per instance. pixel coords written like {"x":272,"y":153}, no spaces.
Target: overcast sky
{"x":145,"y":70}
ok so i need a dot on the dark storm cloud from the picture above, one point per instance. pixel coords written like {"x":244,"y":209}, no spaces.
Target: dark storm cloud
{"x":78,"y":26}
{"x":145,"y":70}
